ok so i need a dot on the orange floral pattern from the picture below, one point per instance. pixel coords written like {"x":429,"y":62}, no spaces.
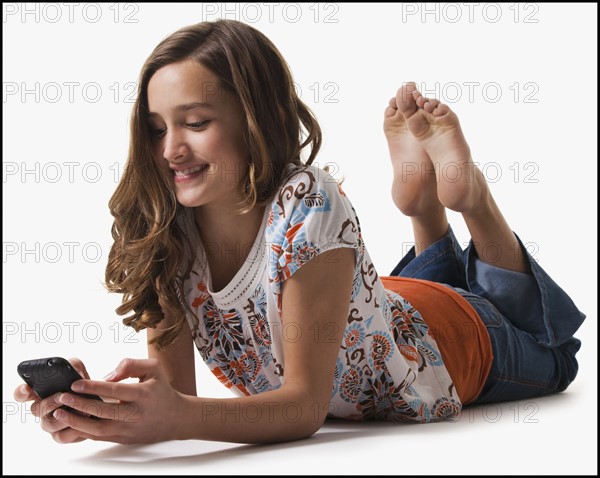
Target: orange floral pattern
{"x":388,"y":367}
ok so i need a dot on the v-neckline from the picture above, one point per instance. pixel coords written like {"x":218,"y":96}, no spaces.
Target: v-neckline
{"x":242,"y":276}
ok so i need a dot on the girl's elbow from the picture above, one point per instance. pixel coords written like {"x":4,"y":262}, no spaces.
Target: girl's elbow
{"x":302,"y":428}
{"x":310,"y":424}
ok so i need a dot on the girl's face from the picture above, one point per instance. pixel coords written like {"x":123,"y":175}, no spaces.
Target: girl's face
{"x":198,"y":134}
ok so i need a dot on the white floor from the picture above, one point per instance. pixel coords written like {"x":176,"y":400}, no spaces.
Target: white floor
{"x":552,"y":435}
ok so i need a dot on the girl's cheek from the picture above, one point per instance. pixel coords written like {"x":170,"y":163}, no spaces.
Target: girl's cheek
{"x":159,"y":160}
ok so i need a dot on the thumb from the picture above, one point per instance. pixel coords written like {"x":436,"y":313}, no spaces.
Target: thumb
{"x":78,"y":365}
{"x":143,"y":369}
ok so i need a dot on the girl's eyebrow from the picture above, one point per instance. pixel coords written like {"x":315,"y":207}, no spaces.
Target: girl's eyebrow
{"x":188,"y":107}
{"x":192,"y":106}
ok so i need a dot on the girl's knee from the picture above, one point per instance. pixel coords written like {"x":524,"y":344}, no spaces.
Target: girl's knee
{"x":567,"y":363}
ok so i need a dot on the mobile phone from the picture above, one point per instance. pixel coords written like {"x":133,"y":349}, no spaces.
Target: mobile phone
{"x":47,"y":376}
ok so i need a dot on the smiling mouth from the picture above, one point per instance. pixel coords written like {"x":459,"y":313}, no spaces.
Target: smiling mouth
{"x":190,"y":171}
{"x":190,"y":174}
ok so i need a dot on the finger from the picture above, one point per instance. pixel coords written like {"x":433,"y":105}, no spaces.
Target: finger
{"x":78,"y":365}
{"x":51,"y":424}
{"x":143,"y":369}
{"x":68,"y":435}
{"x":41,"y":408}
{"x":24,"y":393}
{"x":126,"y":392}
{"x":88,"y":426}
{"x":392,"y":103}
{"x":125,"y":412}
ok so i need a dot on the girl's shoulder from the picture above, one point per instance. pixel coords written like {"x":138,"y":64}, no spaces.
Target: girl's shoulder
{"x":310,"y":199}
{"x":307,"y":182}
{"x":295,"y":173}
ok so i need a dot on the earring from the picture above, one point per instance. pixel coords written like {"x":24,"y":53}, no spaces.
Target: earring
{"x":252,"y":180}
{"x":251,"y":175}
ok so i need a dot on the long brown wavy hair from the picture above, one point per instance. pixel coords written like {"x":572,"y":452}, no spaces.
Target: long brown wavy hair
{"x":147,"y":261}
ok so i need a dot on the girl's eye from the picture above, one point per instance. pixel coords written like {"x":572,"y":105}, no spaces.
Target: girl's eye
{"x":198,"y":124}
{"x":159,"y":132}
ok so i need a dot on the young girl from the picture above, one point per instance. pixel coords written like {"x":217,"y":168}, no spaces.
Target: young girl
{"x":225,"y":240}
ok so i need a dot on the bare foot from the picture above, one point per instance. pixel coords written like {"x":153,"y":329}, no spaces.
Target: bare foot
{"x":460,"y":184}
{"x":414,"y":185}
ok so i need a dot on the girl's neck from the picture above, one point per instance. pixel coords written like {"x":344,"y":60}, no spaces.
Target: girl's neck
{"x":227,"y":239}
{"x":221,"y":226}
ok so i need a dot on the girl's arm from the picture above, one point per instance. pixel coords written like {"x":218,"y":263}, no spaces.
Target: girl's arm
{"x":315,"y":312}
{"x":315,"y":301}
{"x":177,"y":358}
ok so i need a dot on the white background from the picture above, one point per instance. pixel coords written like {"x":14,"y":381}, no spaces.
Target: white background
{"x":54,"y":301}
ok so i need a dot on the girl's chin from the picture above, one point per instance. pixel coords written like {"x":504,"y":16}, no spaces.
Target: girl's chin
{"x":189,"y":200}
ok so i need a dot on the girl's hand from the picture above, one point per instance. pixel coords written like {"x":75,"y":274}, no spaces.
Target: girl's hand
{"x":44,"y":409}
{"x":146,"y":412}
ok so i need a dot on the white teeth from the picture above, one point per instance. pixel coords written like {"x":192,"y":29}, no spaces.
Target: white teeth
{"x":189,"y":171}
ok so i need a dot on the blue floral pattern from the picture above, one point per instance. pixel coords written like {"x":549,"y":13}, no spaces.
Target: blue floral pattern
{"x":388,"y":367}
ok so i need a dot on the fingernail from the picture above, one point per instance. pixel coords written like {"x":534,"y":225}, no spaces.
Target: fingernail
{"x":58,"y":414}
{"x":23,"y":389}
{"x":66,"y":398}
{"x":110,"y":375}
{"x":77,"y":386}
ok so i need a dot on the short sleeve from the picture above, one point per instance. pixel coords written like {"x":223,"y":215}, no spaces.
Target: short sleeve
{"x":309,"y":215}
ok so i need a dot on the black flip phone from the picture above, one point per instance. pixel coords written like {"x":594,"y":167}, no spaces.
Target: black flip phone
{"x":48,"y":376}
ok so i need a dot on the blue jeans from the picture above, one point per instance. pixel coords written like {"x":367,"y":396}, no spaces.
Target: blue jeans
{"x":530,"y":319}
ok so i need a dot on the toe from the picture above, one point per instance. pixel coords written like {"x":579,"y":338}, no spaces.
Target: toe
{"x":430,"y":105}
{"x":405,"y":99}
{"x":392,"y":110}
{"x":420,"y":100}
{"x":441,"y":109}
{"x":389,"y":111}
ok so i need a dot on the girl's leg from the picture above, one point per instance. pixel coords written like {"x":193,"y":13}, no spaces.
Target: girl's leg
{"x":460,"y":184}
{"x":436,"y":255}
{"x":522,"y":367}
{"x":530,"y":319}
{"x":500,"y":270}
{"x":414,"y":189}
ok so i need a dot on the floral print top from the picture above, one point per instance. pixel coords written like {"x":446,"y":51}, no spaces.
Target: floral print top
{"x":389,"y":366}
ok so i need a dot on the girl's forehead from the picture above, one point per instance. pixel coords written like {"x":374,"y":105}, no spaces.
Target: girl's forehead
{"x":184,"y":83}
